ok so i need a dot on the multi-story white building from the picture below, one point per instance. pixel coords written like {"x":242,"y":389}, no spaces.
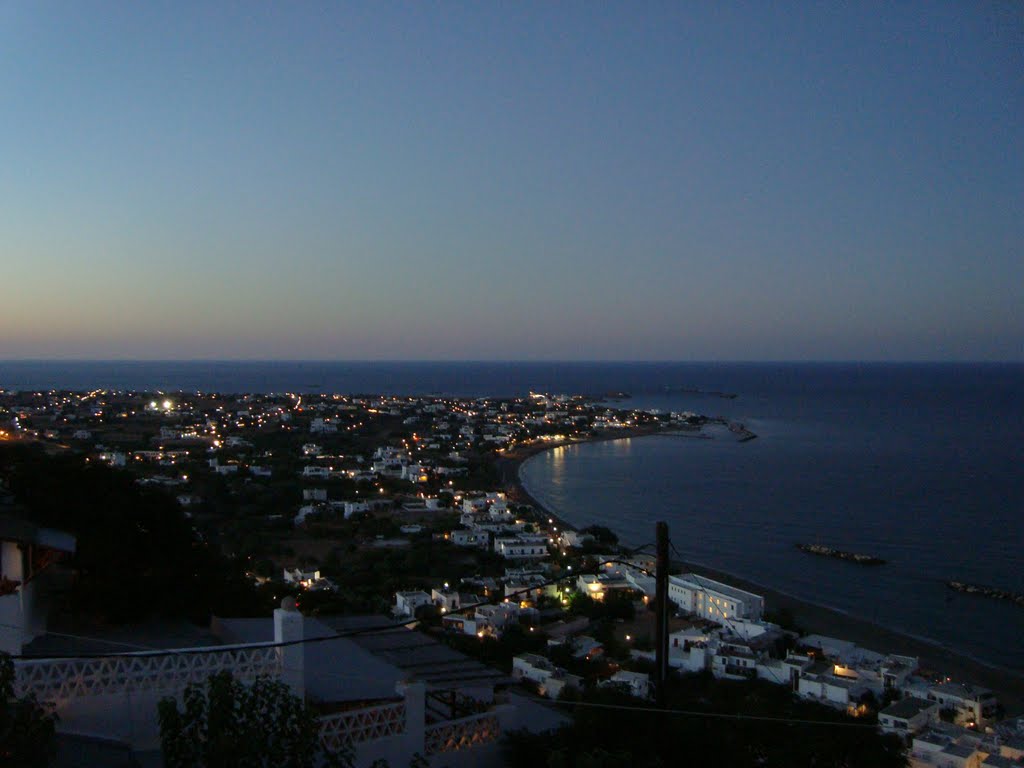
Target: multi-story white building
{"x":972,"y":703}
{"x":712,"y":599}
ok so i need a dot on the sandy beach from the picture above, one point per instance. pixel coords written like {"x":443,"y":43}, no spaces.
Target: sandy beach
{"x":1006,"y":683}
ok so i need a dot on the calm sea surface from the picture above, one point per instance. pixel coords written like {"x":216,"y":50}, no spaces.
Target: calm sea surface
{"x":918,"y":464}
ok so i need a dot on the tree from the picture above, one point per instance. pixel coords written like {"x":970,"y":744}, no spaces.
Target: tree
{"x":229,"y":724}
{"x":27,"y":730}
{"x":122,"y":528}
{"x":605,"y":536}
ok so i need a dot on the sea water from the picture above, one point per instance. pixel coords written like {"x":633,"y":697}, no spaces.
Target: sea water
{"x":919,"y":465}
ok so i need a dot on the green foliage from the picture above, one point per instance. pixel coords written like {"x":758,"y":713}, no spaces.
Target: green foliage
{"x":229,"y":724}
{"x":601,"y":736}
{"x":583,"y":605}
{"x":497,"y":651}
{"x":596,"y":758}
{"x":137,"y":555}
{"x":617,"y":604}
{"x":604,"y":536}
{"x":784,"y":618}
{"x":26,"y":728}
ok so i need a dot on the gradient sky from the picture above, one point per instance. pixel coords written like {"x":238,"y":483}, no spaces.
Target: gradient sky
{"x":512,"y":180}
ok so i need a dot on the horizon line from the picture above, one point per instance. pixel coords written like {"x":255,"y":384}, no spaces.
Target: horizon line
{"x":509,"y":361}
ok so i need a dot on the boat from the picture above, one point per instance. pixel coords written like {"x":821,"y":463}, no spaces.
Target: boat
{"x":839,"y":554}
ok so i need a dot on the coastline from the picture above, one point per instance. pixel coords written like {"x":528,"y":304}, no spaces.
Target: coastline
{"x":1008,"y":684}
{"x":509,"y":465}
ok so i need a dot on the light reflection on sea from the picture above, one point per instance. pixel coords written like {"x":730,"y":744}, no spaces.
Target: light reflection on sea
{"x":936,"y":503}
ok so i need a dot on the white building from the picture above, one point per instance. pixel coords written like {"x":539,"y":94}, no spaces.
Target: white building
{"x":713,"y":599}
{"x":598,"y":585}
{"x":301,"y":577}
{"x":908,"y":716}
{"x":485,"y":621}
{"x":25,"y":591}
{"x":636,"y":684}
{"x":574,"y":538}
{"x":355,"y":507}
{"x":471,"y":538}
{"x":449,"y":600}
{"x":550,"y":680}
{"x":818,"y":682}
{"x":972,"y":703}
{"x":734,"y":661}
{"x":522,"y":546}
{"x":474,"y":505}
{"x":406,"y":603}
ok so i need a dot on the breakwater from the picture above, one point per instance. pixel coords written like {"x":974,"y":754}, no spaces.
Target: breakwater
{"x":983,"y":591}
{"x":839,"y":554}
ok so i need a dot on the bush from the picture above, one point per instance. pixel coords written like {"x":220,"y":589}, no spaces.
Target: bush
{"x":26,"y":728}
{"x":229,"y":724}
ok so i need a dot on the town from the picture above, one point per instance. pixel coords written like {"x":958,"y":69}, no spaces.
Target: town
{"x":399,"y":577}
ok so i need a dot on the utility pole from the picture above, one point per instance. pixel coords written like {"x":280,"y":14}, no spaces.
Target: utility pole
{"x":661,"y":613}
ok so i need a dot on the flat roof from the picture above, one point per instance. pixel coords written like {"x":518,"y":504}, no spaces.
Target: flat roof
{"x":959,"y":750}
{"x":417,"y":655}
{"x":13,"y":528}
{"x":961,"y":690}
{"x":907,"y":708}
{"x":716,"y":586}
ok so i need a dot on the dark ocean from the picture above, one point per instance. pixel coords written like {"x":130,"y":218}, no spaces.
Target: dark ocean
{"x":920,"y":464}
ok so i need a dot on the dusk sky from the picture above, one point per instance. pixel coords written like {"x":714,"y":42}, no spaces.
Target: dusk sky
{"x":678,"y":181}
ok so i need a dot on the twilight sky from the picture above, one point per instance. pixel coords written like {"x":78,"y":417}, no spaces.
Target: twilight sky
{"x":512,"y":180}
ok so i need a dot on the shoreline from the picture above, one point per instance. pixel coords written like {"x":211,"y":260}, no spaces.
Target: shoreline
{"x":812,"y":618}
{"x":508,"y":466}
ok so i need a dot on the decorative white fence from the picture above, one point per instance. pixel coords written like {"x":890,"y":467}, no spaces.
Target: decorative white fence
{"x":468,"y":732}
{"x":346,"y":729}
{"x":116,"y":697}
{"x":59,"y":681}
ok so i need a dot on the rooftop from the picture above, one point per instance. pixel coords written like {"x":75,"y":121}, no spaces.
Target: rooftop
{"x":13,"y":528}
{"x":717,"y":586}
{"x":335,"y":670}
{"x":962,"y":690}
{"x":416,"y":654}
{"x":904,"y":709}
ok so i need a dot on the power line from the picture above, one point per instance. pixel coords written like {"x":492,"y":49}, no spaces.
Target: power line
{"x":158,"y":653}
{"x":373,"y":629}
{"x":149,"y":652}
{"x":713,"y":715}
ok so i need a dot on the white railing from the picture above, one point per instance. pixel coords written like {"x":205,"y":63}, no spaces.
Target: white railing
{"x":58,"y":681}
{"x":465,"y":733}
{"x":345,"y":729}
